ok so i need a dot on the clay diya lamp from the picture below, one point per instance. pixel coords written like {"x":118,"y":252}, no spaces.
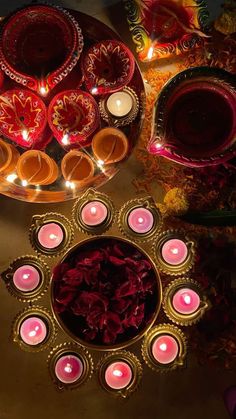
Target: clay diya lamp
{"x":107,"y":66}
{"x":77,"y":167}
{"x":195,"y":117}
{"x":8,"y":157}
{"x":23,"y":116}
{"x":39,"y":46}
{"x":110,"y":145}
{"x":37,"y":168}
{"x":73,"y":115}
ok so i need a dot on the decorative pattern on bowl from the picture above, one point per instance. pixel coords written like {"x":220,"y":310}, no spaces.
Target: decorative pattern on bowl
{"x":107,"y":67}
{"x":161,"y":28}
{"x":39,"y":46}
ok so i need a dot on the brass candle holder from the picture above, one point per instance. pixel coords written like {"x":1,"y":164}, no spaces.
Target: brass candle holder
{"x":172,"y":313}
{"x":120,"y":356}
{"x":44,"y":315}
{"x":90,"y":196}
{"x":146,"y":203}
{"x":149,"y":339}
{"x":39,"y":221}
{"x":174,"y":269}
{"x":39,"y":291}
{"x":70,"y":348}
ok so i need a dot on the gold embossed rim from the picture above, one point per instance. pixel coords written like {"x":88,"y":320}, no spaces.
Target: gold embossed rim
{"x":70,"y":348}
{"x":42,"y":287}
{"x":147,"y":203}
{"x":43,"y":314}
{"x":143,"y":331}
{"x":120,"y":356}
{"x":175,"y":316}
{"x":38,"y":221}
{"x":167,"y":268}
{"x":152,"y":335}
{"x":92,"y":195}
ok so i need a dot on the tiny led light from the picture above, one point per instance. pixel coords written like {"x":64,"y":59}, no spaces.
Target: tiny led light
{"x":150,"y":53}
{"x":25,"y":134}
{"x":187,"y":299}
{"x":43,"y":90}
{"x":24,"y":183}
{"x":163,"y":347}
{"x":158,"y":145}
{"x":12,"y":177}
{"x":65,"y":139}
{"x":94,"y":90}
{"x":100,"y":163}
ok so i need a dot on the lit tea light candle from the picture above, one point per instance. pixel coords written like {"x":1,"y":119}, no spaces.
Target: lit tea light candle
{"x":140,"y":220}
{"x":69,"y":369}
{"x":119,"y":104}
{"x":94,"y":213}
{"x":174,"y":251}
{"x":165,"y":349}
{"x":26,"y":278}
{"x":50,"y":235}
{"x":118,"y":375}
{"x":33,"y":331}
{"x":186,"y":301}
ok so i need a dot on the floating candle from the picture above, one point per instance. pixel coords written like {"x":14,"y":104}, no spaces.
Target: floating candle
{"x":118,"y":375}
{"x":119,"y":104}
{"x":26,"y":278}
{"x":33,"y":331}
{"x":165,"y":349}
{"x":50,"y":235}
{"x":140,"y":220}
{"x":174,"y":251}
{"x":94,"y":213}
{"x":69,"y":368}
{"x":186,"y":301}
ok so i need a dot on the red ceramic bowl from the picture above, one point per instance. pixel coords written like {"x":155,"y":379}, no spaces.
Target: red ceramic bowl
{"x":107,"y":66}
{"x":39,"y":46}
{"x":23,"y":116}
{"x":73,"y":115}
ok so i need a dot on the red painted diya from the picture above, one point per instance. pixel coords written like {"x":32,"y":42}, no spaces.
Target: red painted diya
{"x":73,"y":115}
{"x":107,"y":67}
{"x":39,"y":46}
{"x":195,"y":118}
{"x":23,"y":117}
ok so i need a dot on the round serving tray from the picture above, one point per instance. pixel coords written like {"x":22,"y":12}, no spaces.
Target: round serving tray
{"x":93,"y":31}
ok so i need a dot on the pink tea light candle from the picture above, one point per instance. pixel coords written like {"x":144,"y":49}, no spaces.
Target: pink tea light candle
{"x":26,"y":278}
{"x":50,"y":235}
{"x":165,"y":349}
{"x":94,"y":213}
{"x":33,"y":331}
{"x":69,"y":368}
{"x":174,"y":251}
{"x":118,"y":375}
{"x":140,"y":220}
{"x":186,"y":301}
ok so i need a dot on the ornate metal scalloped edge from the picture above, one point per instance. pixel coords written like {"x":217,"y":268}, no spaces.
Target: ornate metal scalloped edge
{"x":92,"y":195}
{"x":38,"y":221}
{"x":177,"y":318}
{"x":25,"y":296}
{"x":167,"y":329}
{"x":213,"y":72}
{"x":37,"y":311}
{"x":122,"y":215}
{"x":135,"y":364}
{"x":117,"y":122}
{"x":74,"y":348}
{"x":175,"y":270}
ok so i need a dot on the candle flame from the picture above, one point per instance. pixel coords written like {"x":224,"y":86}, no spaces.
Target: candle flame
{"x":118,"y":102}
{"x":187,"y":299}
{"x":150,"y":53}
{"x":117,"y":373}
{"x":175,"y":251}
{"x":26,"y":276}
{"x":163,"y":347}
{"x":32,"y":333}
{"x":93,"y":210}
{"x":140,"y":220}
{"x":52,"y":236}
{"x":68,"y":368}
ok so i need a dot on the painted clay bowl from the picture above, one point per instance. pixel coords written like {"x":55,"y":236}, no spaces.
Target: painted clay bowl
{"x":110,"y":145}
{"x":39,"y":46}
{"x":195,"y":118}
{"x":23,"y":116}
{"x":107,"y":66}
{"x":73,"y":115}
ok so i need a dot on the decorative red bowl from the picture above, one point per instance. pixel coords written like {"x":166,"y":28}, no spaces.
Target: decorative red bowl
{"x":39,"y":46}
{"x":107,"y":66}
{"x":73,"y":115}
{"x":23,"y":117}
{"x":106,"y":292}
{"x":195,"y":118}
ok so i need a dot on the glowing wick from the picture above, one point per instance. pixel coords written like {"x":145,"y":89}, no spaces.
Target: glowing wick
{"x":175,"y":251}
{"x":150,"y":53}
{"x":187,"y":299}
{"x":163,"y":347}
{"x":93,"y":210}
{"x":140,"y":220}
{"x":68,"y":368}
{"x":117,"y":373}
